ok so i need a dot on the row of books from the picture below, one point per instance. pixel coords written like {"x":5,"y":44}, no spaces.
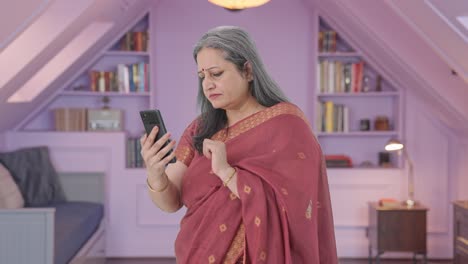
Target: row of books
{"x":127,"y":79}
{"x":332,"y":117}
{"x":327,"y":41}
{"x":340,"y":77}
{"x":134,"y":41}
{"x":134,"y":158}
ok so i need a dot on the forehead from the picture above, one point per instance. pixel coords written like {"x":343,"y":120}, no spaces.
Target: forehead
{"x":209,"y":57}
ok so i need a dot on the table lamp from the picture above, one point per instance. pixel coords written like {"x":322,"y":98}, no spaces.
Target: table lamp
{"x":396,"y":145}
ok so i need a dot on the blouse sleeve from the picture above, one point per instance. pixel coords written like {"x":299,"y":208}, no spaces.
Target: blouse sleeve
{"x":185,"y":150}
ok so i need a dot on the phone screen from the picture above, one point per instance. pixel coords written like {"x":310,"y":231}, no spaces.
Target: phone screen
{"x":153,"y":118}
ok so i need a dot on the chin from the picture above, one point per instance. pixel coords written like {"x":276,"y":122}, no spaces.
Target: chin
{"x":216,"y":105}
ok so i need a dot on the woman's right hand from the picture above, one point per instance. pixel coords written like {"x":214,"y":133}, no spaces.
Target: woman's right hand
{"x":153,"y":153}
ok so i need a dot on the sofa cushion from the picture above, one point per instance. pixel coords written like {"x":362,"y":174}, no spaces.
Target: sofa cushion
{"x":10,"y":195}
{"x":75,"y":223}
{"x":35,"y":175}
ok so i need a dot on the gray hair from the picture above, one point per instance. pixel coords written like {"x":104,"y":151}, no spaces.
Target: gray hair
{"x":238,"y":48}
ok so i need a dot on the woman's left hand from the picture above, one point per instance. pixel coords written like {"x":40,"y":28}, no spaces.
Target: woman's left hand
{"x":216,"y":152}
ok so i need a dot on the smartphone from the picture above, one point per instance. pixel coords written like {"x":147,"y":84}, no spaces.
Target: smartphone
{"x":153,"y":118}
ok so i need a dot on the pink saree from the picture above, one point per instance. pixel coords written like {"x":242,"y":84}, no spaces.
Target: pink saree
{"x":283,"y":214}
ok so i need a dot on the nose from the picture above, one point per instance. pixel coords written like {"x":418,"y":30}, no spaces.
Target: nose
{"x":208,"y":84}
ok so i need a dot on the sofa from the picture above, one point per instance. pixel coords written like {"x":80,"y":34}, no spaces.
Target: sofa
{"x":38,"y":224}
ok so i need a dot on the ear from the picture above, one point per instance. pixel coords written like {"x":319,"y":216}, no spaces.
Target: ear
{"x":248,"y":71}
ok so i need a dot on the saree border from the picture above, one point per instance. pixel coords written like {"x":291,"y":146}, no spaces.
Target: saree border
{"x":237,"y":246}
{"x":257,"y":119}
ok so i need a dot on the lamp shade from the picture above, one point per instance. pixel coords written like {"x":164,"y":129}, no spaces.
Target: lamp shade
{"x":393,"y":145}
{"x":238,"y":4}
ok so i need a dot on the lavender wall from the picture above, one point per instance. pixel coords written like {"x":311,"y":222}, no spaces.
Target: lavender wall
{"x":283,"y":40}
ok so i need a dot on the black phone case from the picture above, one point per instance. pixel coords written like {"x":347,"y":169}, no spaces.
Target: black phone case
{"x":153,"y":118}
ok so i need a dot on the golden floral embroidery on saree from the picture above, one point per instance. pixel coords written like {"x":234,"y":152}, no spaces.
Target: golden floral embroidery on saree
{"x":263,"y":255}
{"x":258,"y":221}
{"x":301,"y":155}
{"x":184,"y":154}
{"x":237,"y":246}
{"x":211,"y":259}
{"x":222,"y":228}
{"x":257,"y":119}
{"x":308,"y":213}
{"x":284,"y":191}
{"x":232,"y":196}
{"x":247,"y":189}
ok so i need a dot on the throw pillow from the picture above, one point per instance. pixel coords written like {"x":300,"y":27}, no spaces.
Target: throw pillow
{"x":10,"y":195}
{"x":37,"y":179}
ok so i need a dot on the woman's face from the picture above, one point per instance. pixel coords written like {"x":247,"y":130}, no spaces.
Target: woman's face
{"x":223,"y":85}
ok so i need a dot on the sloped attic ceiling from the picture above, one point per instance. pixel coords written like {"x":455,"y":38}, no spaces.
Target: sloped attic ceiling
{"x":19,"y":17}
{"x":48,"y":28}
{"x":396,"y":46}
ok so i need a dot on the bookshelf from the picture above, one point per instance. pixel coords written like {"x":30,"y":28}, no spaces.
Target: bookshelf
{"x":119,"y":74}
{"x":357,"y":110}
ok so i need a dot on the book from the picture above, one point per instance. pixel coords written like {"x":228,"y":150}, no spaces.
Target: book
{"x":389,"y":202}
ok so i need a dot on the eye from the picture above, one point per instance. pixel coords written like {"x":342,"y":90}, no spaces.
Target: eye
{"x":217,"y":74}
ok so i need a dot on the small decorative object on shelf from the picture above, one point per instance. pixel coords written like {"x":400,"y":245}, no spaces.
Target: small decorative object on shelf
{"x":381,"y":123}
{"x":366,"y":164}
{"x":384,"y":160}
{"x":364,"y":124}
{"x":365,"y":84}
{"x":105,"y":119}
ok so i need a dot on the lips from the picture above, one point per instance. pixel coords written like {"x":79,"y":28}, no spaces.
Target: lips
{"x":214,"y":96}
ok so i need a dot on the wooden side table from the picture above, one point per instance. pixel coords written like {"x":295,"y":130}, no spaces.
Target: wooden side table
{"x":397,"y":228}
{"x":460,"y":232}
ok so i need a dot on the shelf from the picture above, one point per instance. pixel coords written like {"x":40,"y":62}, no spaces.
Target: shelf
{"x":358,"y":134}
{"x":338,"y":54}
{"x":126,"y":53}
{"x":361,"y":94}
{"x":88,"y":93}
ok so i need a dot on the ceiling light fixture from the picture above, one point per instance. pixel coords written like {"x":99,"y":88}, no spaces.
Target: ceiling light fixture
{"x":238,"y":4}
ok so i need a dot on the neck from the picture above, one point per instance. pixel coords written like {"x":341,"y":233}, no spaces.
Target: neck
{"x":242,"y":111}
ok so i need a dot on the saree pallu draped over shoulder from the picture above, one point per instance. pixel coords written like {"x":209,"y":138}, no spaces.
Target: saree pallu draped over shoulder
{"x":283,"y":214}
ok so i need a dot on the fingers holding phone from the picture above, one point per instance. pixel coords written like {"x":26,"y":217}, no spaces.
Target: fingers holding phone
{"x":157,"y":154}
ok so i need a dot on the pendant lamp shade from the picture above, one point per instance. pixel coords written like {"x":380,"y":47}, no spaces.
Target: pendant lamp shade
{"x":238,"y":4}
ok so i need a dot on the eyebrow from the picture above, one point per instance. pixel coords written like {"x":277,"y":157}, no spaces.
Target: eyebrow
{"x":208,"y":69}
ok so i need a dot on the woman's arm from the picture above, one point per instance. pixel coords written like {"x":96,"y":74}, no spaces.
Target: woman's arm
{"x":165,"y":191}
{"x":164,"y":180}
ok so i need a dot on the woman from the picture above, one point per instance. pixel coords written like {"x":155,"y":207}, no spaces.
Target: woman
{"x":249,"y":170}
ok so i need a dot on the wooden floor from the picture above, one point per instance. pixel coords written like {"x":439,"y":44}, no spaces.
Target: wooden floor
{"x":342,"y":261}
